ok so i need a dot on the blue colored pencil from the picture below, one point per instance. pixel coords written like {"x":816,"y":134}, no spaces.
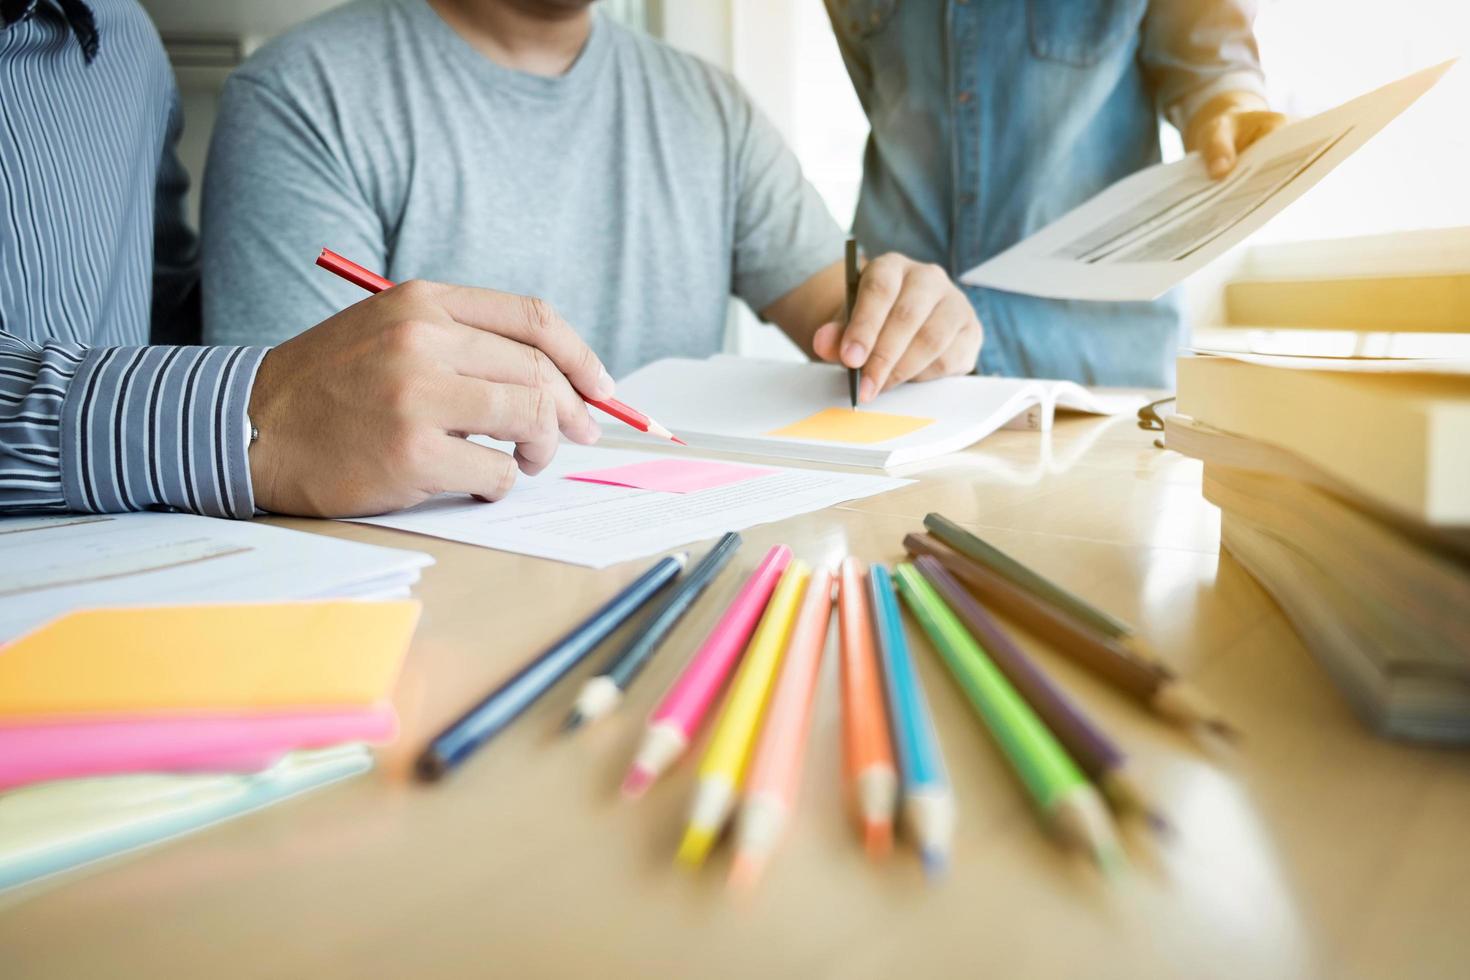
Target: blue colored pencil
{"x":506,"y":703}
{"x":928,"y":801}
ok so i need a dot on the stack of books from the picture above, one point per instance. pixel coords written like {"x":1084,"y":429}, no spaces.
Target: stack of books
{"x":1344,"y":489}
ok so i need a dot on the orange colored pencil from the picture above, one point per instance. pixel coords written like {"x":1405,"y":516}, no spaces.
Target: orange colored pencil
{"x":871,"y":772}
{"x":775,"y":770}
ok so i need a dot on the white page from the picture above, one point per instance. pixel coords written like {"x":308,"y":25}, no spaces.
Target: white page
{"x":548,"y":516}
{"x":731,"y":404}
{"x":1349,"y":365}
{"x":50,"y":566}
{"x":1148,"y":232}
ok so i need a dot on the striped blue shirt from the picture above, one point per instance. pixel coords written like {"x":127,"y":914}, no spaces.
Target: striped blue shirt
{"x":95,"y":260}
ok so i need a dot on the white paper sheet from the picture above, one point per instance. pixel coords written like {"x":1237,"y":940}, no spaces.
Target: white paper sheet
{"x":49,"y":566}
{"x":590,"y":524}
{"x":1148,"y":232}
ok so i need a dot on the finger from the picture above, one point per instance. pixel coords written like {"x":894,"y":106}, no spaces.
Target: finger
{"x":963,"y":355}
{"x":877,"y":289}
{"x":826,"y":339}
{"x":1251,"y":126}
{"x":1219,"y":146}
{"x":491,"y":357}
{"x":510,"y":413}
{"x":536,"y":323}
{"x":944,"y":331}
{"x":464,"y":467}
{"x":923,"y":288}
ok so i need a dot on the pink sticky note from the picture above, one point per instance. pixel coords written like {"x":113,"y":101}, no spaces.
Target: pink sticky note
{"x":672,"y":475}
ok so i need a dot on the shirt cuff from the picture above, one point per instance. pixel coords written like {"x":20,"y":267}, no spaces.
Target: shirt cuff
{"x":149,"y":427}
{"x":1183,"y":110}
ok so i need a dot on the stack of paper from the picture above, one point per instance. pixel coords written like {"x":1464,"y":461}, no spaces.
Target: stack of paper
{"x":1345,"y":490}
{"x":218,"y":689}
{"x":801,"y":410}
{"x":101,"y":687}
{"x":53,"y":565}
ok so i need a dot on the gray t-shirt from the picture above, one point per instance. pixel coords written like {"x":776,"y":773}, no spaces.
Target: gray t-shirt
{"x":636,"y":192}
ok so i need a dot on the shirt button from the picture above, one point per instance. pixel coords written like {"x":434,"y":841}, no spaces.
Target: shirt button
{"x":967,"y":198}
{"x":964,"y":97}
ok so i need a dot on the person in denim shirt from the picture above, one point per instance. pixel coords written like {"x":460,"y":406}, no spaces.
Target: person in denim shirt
{"x":992,"y":118}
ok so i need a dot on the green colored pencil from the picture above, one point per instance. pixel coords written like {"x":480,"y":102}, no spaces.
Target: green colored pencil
{"x":1066,"y":799}
{"x":978,"y":549}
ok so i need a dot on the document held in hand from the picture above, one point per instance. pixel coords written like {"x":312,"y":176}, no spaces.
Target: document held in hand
{"x":288,"y":654}
{"x":1150,"y":231}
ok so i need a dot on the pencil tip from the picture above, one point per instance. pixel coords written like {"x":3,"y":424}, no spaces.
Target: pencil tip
{"x":877,"y":838}
{"x":695,"y":846}
{"x":430,"y":767}
{"x":1158,"y":823}
{"x":745,"y":871}
{"x":636,"y":783}
{"x":1111,"y":860}
{"x":1224,"y":729}
{"x":573,"y":721}
{"x":935,"y":863}
{"x":678,"y":440}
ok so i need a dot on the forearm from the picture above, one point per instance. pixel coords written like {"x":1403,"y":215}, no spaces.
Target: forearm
{"x":114,"y":429}
{"x":820,"y":299}
{"x":1197,"y":51}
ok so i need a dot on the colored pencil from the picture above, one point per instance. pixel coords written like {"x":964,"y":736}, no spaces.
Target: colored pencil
{"x":871,"y":773}
{"x":506,"y":703}
{"x":1096,"y":753}
{"x":676,"y":720}
{"x":928,"y":801}
{"x":722,"y":770}
{"x":979,"y":550}
{"x":850,"y":263}
{"x":374,"y":283}
{"x":602,"y":693}
{"x":775,"y":768}
{"x":1062,"y":793}
{"x":1154,"y":686}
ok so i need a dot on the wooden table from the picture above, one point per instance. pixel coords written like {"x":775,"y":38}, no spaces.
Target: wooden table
{"x":1315,"y":850}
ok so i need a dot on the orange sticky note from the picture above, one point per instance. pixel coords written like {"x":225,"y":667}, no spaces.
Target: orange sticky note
{"x":314,"y":654}
{"x":851,"y":425}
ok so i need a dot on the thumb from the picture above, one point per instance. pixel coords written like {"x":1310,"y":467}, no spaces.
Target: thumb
{"x":826,"y":339}
{"x":1219,"y":146}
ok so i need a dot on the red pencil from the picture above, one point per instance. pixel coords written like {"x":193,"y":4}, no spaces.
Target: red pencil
{"x":374,"y":283}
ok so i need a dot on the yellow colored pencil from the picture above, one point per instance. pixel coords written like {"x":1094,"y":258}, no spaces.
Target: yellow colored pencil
{"x":723,"y":767}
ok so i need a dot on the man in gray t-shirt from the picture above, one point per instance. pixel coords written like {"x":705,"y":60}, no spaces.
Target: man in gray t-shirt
{"x":540,"y":149}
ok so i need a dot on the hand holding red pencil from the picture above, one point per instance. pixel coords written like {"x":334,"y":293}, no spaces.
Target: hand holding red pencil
{"x":598,"y":398}
{"x":366,"y":412}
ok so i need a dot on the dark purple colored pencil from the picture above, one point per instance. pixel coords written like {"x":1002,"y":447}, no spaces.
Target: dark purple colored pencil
{"x":1094,"y":752}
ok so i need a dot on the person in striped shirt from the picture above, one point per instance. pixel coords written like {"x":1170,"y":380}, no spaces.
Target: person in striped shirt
{"x":363,"y":413}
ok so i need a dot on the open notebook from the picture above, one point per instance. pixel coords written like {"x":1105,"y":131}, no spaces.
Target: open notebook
{"x":800,"y":410}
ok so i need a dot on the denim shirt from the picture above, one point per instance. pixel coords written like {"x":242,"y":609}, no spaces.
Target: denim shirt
{"x":991,"y":118}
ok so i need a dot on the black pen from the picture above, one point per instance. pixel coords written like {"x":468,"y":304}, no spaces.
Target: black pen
{"x":854,"y":375}
{"x":602,"y":693}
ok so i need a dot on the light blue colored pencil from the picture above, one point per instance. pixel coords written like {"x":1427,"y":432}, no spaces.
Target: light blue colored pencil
{"x":928,"y":801}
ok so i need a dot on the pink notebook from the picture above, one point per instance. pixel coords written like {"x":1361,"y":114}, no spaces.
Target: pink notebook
{"x":67,"y":748}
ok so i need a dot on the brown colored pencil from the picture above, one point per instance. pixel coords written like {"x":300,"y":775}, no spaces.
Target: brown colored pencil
{"x":1152,"y":684}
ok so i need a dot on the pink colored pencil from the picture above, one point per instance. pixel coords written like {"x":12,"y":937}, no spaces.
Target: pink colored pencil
{"x":676,"y":720}
{"x":775,"y":770}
